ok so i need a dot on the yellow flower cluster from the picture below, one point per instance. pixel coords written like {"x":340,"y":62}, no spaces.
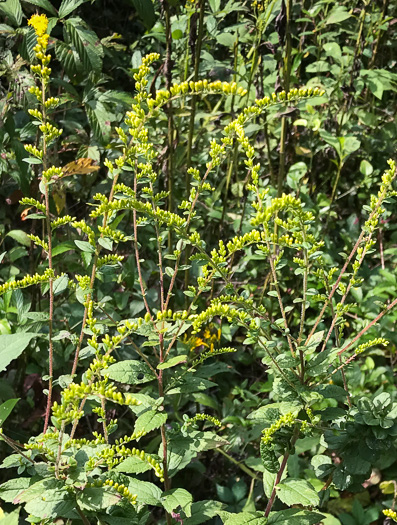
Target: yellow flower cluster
{"x":39,"y":24}
{"x":389,"y":513}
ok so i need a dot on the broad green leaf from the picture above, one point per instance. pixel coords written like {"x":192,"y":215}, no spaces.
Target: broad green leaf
{"x":19,"y":236}
{"x":297,"y":491}
{"x":130,"y":372}
{"x":60,"y":284}
{"x":63,"y":247}
{"x":98,"y":117}
{"x":68,"y":6}
{"x":10,"y":518}
{"x":133,"y":465}
{"x":69,"y":58}
{"x":190,"y":383}
{"x":45,"y":4}
{"x":246,"y":518}
{"x":172,"y":362}
{"x":86,"y":43}
{"x":12,"y":10}
{"x":145,"y":10}
{"x":147,"y":493}
{"x":203,"y":511}
{"x":322,"y":465}
{"x":294,"y":517}
{"x":97,"y":498}
{"x":174,"y":498}
{"x":51,"y":503}
{"x":85,"y":246}
{"x":226,"y":39}
{"x":339,"y":14}
{"x":12,"y":346}
{"x":6,"y":409}
{"x":11,"y":488}
{"x":150,"y":420}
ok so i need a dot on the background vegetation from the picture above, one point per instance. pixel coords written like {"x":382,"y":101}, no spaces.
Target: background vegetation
{"x":328,"y":150}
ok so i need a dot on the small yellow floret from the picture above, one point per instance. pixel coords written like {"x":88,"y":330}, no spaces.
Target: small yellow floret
{"x":39,"y":24}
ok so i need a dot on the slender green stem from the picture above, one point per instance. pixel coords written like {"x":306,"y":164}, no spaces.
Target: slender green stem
{"x":286,"y":83}
{"x":238,"y":463}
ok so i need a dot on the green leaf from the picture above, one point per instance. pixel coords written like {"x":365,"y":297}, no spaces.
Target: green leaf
{"x":68,"y":6}
{"x":133,"y":465}
{"x":97,"y":498}
{"x":203,"y":511}
{"x":12,"y":10}
{"x":190,"y":383}
{"x":294,"y":517}
{"x":60,"y":284}
{"x":297,"y":491}
{"x":20,"y":236}
{"x":366,"y":168}
{"x":339,"y":14}
{"x":86,"y":43}
{"x":98,"y":117}
{"x":10,"y":518}
{"x":51,"y":503}
{"x":226,"y":39}
{"x":45,"y":4}
{"x":13,"y":487}
{"x":322,"y":465}
{"x":32,"y":160}
{"x":145,"y":10}
{"x":130,"y":372}
{"x":63,"y":247}
{"x":12,"y":346}
{"x":147,"y":493}
{"x":246,"y":518}
{"x":6,"y":409}
{"x":150,"y":420}
{"x":173,"y":362}
{"x":174,"y":498}
{"x":85,"y":246}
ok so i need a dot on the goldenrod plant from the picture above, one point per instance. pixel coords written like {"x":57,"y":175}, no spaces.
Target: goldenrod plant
{"x":149,"y":372}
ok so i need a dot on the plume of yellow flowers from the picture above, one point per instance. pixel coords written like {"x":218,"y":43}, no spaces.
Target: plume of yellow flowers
{"x":40,"y":25}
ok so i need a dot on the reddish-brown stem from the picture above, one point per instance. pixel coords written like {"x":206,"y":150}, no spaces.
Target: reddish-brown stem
{"x":280,"y":473}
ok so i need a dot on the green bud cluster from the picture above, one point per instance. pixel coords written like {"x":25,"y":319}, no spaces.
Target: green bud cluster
{"x":49,"y":131}
{"x":52,"y":172}
{"x":379,"y":341}
{"x":109,"y":259}
{"x":61,"y":221}
{"x":27,"y":201}
{"x":83,"y":226}
{"x":211,"y":353}
{"x":39,"y":242}
{"x":29,"y":280}
{"x":118,"y":487}
{"x":203,"y":417}
{"x":115,"y":235}
{"x":284,"y":421}
{"x":38,"y":153}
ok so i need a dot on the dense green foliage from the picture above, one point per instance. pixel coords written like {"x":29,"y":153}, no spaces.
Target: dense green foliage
{"x":197,"y":280}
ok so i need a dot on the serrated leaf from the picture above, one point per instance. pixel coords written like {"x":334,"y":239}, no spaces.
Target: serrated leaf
{"x":133,"y":465}
{"x":174,"y":498}
{"x":13,"y":487}
{"x":86,"y":44}
{"x":246,"y":518}
{"x":297,"y":491}
{"x":294,"y":517}
{"x":147,"y":493}
{"x":12,"y":346}
{"x":45,"y":4}
{"x":203,"y":511}
{"x":130,"y":372}
{"x":12,"y":10}
{"x":20,"y":236}
{"x":150,"y":420}
{"x":68,"y":6}
{"x":97,"y":498}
